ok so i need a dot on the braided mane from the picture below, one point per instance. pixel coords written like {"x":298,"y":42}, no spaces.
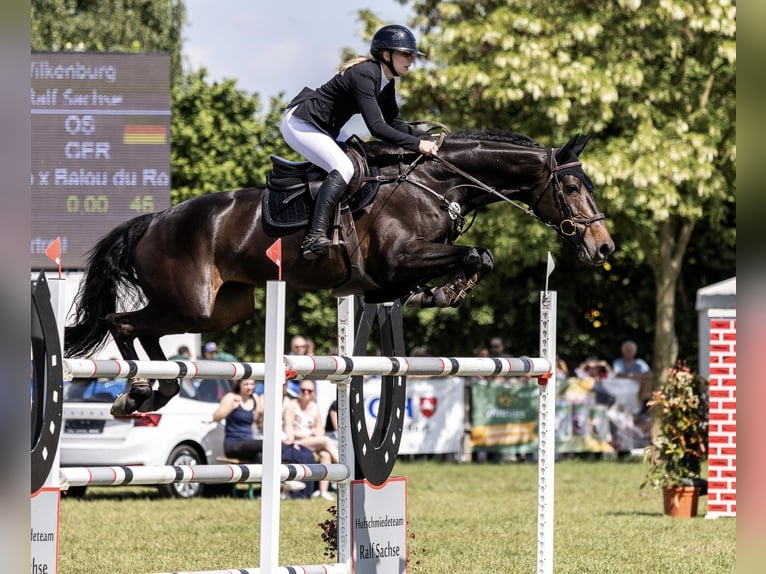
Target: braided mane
{"x":494,"y":135}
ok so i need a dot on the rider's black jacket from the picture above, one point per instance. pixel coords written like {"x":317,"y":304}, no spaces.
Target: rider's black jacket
{"x":357,"y":90}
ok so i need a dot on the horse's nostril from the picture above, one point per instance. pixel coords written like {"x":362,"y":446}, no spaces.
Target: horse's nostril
{"x":607,"y":248}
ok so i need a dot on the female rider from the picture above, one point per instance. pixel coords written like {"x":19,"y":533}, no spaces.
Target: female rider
{"x":365,"y":86}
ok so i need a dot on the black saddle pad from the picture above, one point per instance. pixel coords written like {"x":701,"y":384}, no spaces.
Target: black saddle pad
{"x":285,"y":210}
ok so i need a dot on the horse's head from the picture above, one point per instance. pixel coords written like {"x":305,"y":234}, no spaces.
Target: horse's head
{"x":567,"y":203}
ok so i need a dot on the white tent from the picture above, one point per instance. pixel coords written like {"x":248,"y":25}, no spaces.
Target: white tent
{"x":714,"y":301}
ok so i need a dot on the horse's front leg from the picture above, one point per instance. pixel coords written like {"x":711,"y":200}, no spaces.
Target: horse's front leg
{"x":475,"y":263}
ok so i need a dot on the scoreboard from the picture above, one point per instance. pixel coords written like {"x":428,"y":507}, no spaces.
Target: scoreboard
{"x":100,"y":147}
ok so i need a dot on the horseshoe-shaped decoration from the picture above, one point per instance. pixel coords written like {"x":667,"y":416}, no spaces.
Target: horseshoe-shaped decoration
{"x":376,"y":454}
{"x":47,"y":384}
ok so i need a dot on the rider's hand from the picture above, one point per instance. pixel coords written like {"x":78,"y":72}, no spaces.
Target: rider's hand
{"x":428,"y":147}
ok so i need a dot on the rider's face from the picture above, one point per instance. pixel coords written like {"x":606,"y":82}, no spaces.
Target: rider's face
{"x":402,"y":61}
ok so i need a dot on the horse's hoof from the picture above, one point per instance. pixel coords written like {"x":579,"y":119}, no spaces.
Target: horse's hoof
{"x":123,"y":406}
{"x":420,"y":300}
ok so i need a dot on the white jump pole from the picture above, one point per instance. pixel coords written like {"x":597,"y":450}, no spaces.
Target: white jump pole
{"x":274,"y":381}
{"x":346,"y":341}
{"x":546,"y":435}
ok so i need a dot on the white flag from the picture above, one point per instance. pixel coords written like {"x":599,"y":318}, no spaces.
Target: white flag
{"x":551,"y":264}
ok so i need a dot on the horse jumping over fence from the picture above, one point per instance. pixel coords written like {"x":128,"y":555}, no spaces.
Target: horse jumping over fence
{"x":197,"y":263}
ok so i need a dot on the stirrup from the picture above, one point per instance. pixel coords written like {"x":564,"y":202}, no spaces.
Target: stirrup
{"x":313,"y":247}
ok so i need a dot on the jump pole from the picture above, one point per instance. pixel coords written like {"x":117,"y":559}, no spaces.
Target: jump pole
{"x":274,"y":381}
{"x":346,"y":341}
{"x":546,"y":434}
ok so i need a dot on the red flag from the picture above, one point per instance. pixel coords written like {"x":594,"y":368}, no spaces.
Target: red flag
{"x":53,"y":252}
{"x":274,"y":252}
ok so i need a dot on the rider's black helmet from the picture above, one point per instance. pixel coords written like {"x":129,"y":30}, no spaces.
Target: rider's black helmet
{"x":394,"y":37}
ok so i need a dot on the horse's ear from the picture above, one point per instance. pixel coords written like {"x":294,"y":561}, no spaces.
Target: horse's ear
{"x":579,"y":144}
{"x":563,"y":154}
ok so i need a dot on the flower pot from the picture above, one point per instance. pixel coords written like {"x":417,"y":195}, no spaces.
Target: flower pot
{"x":681,"y":501}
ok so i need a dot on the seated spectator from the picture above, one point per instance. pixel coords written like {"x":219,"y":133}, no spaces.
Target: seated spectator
{"x":241,"y":408}
{"x":331,"y":422}
{"x":303,"y":425}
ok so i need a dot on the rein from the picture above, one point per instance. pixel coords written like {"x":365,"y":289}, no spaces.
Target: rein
{"x":568,"y":226}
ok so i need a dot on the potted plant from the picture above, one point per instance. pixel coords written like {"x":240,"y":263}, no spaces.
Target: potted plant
{"x":679,"y":409}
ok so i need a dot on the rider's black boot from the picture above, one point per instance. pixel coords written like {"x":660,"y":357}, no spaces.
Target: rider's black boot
{"x":316,"y":242}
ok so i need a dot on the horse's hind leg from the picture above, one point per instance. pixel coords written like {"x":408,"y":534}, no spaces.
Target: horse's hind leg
{"x":138,"y":393}
{"x":167,"y":388}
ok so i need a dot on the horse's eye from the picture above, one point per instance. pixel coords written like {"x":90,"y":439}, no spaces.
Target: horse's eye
{"x":572,"y":188}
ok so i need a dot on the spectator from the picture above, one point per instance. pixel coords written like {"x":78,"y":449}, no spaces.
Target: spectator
{"x":630,"y":367}
{"x":188,"y":386}
{"x":211,"y":352}
{"x":497,"y":347}
{"x":293,"y":452}
{"x":183,"y":354}
{"x":562,"y":370}
{"x":303,"y":425}
{"x":241,"y":408}
{"x":331,"y":422}
{"x":299,"y":345}
{"x":594,"y":368}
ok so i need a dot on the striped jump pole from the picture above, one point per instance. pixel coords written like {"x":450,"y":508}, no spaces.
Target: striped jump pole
{"x":325,"y":367}
{"x":208,"y":473}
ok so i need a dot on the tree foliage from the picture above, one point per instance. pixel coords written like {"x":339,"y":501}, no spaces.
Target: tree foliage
{"x":653,"y":81}
{"x":98,"y":26}
{"x":221,"y":140}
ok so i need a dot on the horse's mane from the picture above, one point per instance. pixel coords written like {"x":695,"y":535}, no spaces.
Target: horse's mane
{"x":493,"y":135}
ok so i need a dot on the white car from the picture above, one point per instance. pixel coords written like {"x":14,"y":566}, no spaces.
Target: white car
{"x":182,"y":432}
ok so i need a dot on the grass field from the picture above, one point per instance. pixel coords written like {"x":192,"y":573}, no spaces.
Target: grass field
{"x":468,"y":518}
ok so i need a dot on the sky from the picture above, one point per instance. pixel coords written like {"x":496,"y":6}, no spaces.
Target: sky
{"x":272,"y":47}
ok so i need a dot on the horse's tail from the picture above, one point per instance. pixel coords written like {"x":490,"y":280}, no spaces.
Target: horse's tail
{"x":110,"y":273}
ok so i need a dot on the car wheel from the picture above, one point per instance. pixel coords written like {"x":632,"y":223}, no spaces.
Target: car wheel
{"x":182,"y":455}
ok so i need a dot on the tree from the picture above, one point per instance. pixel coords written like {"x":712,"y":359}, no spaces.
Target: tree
{"x":220,"y":138}
{"x":653,"y":81}
{"x":98,"y":26}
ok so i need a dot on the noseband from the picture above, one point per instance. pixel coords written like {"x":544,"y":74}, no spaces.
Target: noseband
{"x":569,"y":223}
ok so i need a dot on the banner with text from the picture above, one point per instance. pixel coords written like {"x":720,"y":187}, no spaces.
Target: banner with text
{"x":379,"y":533}
{"x":434,"y":413}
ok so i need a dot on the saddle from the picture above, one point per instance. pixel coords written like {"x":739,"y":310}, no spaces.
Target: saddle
{"x":291,"y":188}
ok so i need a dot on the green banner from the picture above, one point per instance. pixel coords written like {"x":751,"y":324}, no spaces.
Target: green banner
{"x":504,"y":418}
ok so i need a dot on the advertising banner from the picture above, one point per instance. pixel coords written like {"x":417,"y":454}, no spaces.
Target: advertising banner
{"x":379,"y":533}
{"x":434,"y":413}
{"x":504,"y":416}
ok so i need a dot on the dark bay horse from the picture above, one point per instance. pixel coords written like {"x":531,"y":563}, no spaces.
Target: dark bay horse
{"x":196,"y":264}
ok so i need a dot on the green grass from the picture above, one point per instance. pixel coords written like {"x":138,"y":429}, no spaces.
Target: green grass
{"x":466,"y":518}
